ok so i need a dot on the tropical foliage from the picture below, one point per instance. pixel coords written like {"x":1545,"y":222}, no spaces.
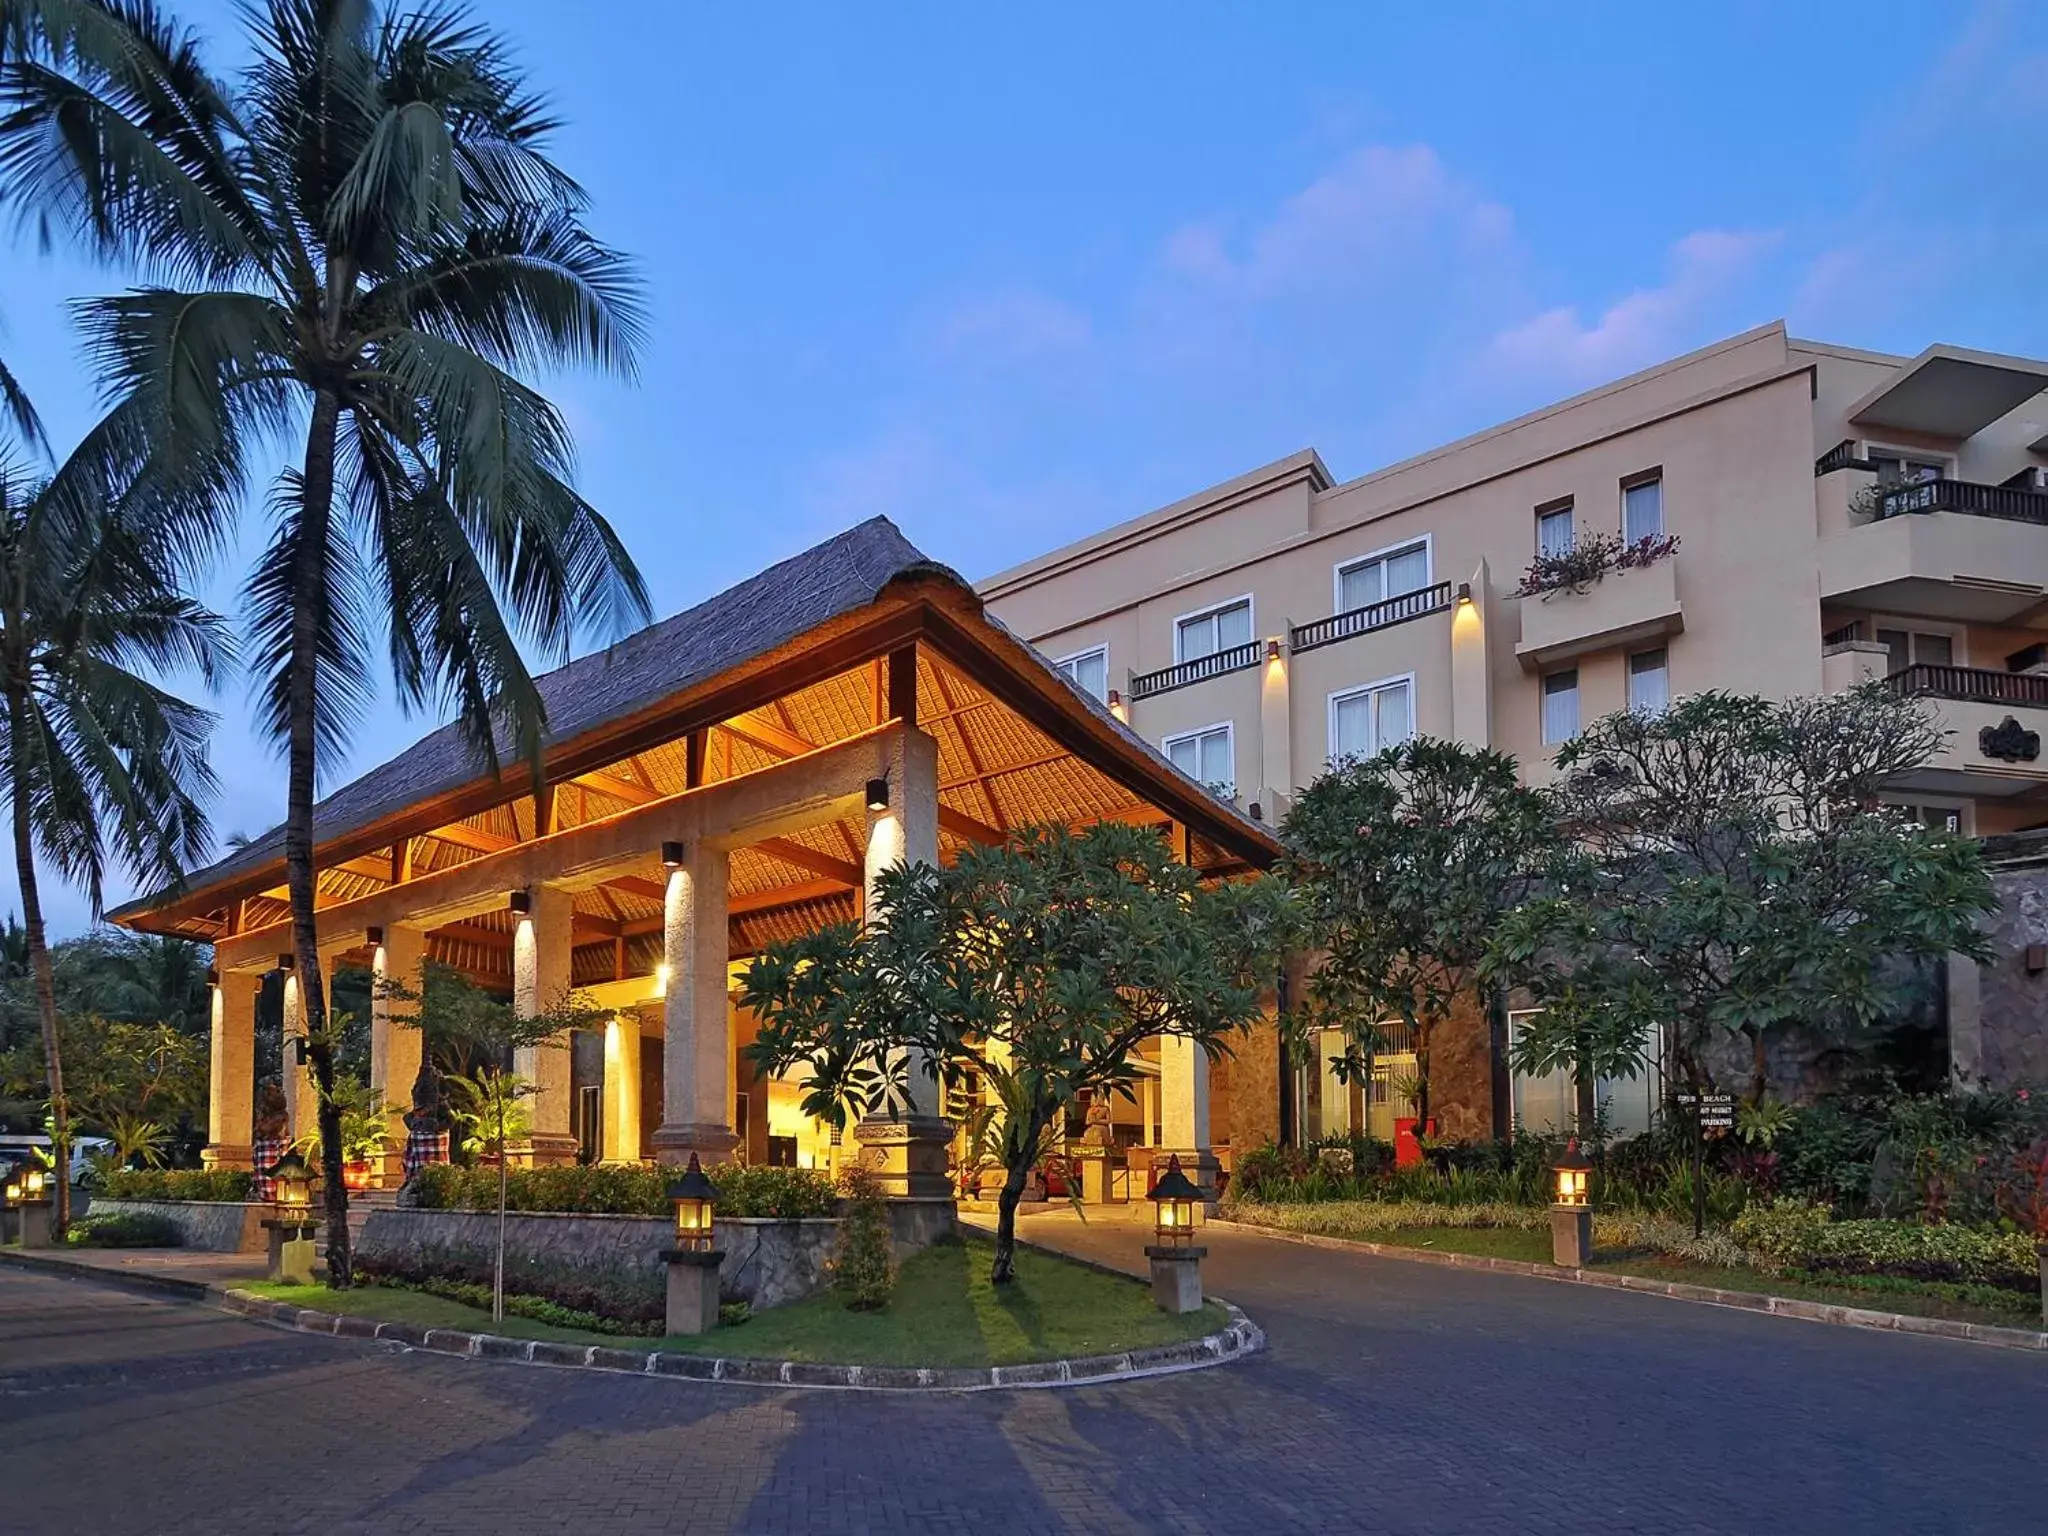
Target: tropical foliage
{"x":355,"y":250}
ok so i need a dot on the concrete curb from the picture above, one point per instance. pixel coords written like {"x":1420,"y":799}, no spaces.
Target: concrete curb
{"x":52,"y":1262}
{"x":1706,"y":1295}
{"x":1242,"y":1337}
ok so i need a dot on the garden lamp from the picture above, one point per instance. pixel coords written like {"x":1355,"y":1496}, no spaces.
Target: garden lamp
{"x":1175,"y":1196}
{"x":13,"y":1189}
{"x":294,"y":1185}
{"x":1571,"y":1208}
{"x":694,"y":1196}
{"x":32,"y":1183}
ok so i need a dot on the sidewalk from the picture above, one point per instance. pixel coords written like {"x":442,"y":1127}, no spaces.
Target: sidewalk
{"x":179,"y":1271}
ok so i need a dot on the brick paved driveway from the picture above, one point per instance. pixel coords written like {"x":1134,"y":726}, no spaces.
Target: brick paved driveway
{"x":1395,"y":1397}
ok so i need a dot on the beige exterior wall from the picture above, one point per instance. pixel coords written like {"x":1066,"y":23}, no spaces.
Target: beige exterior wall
{"x":1770,"y":557}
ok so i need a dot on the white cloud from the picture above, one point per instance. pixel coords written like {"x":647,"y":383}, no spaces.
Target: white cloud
{"x":1559,"y":347}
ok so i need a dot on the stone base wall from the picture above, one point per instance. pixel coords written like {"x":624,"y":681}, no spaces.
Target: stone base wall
{"x":1249,"y":1116}
{"x":215,"y":1226}
{"x":1998,"y":1013}
{"x":1461,"y":1073}
{"x":612,"y":1264}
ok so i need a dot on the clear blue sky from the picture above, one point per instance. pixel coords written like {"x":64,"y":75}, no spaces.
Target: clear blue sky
{"x":1010,"y":273}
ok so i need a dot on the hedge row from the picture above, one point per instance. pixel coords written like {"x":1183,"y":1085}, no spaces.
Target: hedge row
{"x":782,"y":1193}
{"x":178,"y":1184}
{"x":1789,"y":1234}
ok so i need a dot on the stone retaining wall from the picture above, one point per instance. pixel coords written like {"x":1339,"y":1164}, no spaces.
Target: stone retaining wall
{"x":612,"y":1264}
{"x":218,"y":1226}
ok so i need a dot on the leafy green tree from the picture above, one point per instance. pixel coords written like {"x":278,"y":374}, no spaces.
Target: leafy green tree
{"x":1035,"y":968}
{"x":99,"y":761}
{"x":455,"y":1015}
{"x":1732,"y":874}
{"x":358,"y":248}
{"x":1403,"y":863}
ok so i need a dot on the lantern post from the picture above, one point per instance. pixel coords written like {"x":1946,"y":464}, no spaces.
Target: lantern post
{"x":290,"y":1225}
{"x":10,"y":1205}
{"x":1176,"y":1259}
{"x":34,"y":1208}
{"x":693,"y":1262}
{"x":1571,"y":1208}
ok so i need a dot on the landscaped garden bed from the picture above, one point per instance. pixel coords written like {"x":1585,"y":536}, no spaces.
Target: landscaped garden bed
{"x":944,"y":1312}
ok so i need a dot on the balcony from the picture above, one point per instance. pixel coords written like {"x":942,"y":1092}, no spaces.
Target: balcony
{"x":1361,"y":621}
{"x":1146,"y":685}
{"x":1995,"y":720}
{"x":1625,"y":607}
{"x":1945,"y":549}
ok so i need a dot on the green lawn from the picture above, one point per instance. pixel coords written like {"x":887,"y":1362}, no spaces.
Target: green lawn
{"x":944,"y":1312}
{"x":1960,"y":1303}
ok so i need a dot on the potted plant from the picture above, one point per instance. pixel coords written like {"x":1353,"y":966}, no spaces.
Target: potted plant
{"x":364,"y":1133}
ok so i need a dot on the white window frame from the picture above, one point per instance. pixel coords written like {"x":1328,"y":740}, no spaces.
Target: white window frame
{"x":1102,"y":650}
{"x":1566,"y":506}
{"x":1229,"y":730}
{"x":1958,"y":634}
{"x":1944,"y":463}
{"x":1543,"y":704}
{"x":1905,"y":799}
{"x":1205,"y":611}
{"x":1426,"y":540}
{"x":1636,"y":482}
{"x":1628,"y":675}
{"x":1330,"y":710}
{"x":1651,"y":1079}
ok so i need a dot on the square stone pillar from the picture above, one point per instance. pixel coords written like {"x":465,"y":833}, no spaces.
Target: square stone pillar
{"x":696,"y":1055}
{"x":1184,"y":1114}
{"x":622,"y":1089}
{"x":231,"y":1071}
{"x":1471,"y":668}
{"x":394,"y":1042}
{"x":301,"y":1098}
{"x":542,"y":956}
{"x":907,"y":1152}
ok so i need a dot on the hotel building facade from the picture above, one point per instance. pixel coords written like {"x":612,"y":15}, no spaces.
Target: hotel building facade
{"x":1798,"y":516}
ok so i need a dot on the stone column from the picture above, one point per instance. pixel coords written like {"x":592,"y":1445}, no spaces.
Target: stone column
{"x":301,"y":1097}
{"x":394,"y":1043}
{"x":1148,"y":1111}
{"x":696,"y":1053}
{"x":907,"y":1151}
{"x":231,"y":1071}
{"x":622,"y":1089}
{"x":1184,"y":1113}
{"x":541,"y":976}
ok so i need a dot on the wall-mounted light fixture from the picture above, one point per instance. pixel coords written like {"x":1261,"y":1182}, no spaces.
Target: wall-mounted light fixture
{"x":286,"y":962}
{"x":1464,"y":593}
{"x":375,"y":936}
{"x":212,"y":977}
{"x":878,"y":794}
{"x":672,"y":854}
{"x":521,"y":902}
{"x":1272,"y":650}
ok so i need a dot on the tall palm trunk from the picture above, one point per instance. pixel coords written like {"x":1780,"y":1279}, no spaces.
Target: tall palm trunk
{"x":301,"y":878}
{"x":39,"y":950}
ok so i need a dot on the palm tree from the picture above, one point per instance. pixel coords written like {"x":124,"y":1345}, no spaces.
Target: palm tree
{"x":95,"y":757}
{"x":358,"y":247}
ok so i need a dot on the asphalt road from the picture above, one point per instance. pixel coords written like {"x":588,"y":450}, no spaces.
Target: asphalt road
{"x":1394,"y":1398}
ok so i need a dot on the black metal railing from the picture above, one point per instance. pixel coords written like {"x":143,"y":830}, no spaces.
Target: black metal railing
{"x":1853,"y":630}
{"x":1145,"y":684}
{"x":1964,"y":496}
{"x":1981,"y":684}
{"x":1359,"y":621}
{"x":1842,"y":456}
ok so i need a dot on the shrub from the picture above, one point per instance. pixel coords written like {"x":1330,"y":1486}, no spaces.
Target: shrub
{"x":126,"y":1229}
{"x":783,"y":1193}
{"x":611,"y":1302}
{"x":863,"y":1266}
{"x":538,"y":1309}
{"x":1789,"y":1235}
{"x":178,"y":1184}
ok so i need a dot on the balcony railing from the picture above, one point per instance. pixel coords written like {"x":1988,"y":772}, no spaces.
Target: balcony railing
{"x":1964,"y":496}
{"x":1976,"y":683}
{"x":1842,"y":456}
{"x":1145,"y":684}
{"x":1359,"y":621}
{"x":1853,"y":630}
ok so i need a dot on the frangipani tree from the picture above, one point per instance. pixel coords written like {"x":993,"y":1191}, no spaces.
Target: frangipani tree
{"x":1036,"y":967}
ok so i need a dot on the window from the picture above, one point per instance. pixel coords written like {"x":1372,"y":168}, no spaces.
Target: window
{"x":1205,"y":756}
{"x":1642,"y":511}
{"x":1560,"y":707}
{"x":1649,"y":682}
{"x":1089,"y":670}
{"x":1390,"y":573}
{"x":1939,"y":818}
{"x":1893,"y":467}
{"x":1367,"y":720}
{"x":1554,"y":531}
{"x":1549,"y":1103}
{"x":1215,"y":629}
{"x":1913,"y":648}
